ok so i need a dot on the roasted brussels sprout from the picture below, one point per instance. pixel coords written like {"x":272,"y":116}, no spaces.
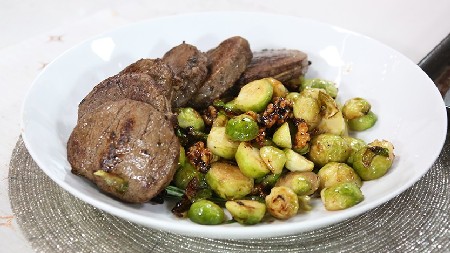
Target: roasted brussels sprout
{"x":247,"y":212}
{"x":302,"y":183}
{"x":206,"y":212}
{"x":279,"y":90}
{"x":355,"y":108}
{"x":282,"y":136}
{"x":114,"y":181}
{"x":307,"y":108}
{"x":185,"y":174}
{"x":188,"y":117}
{"x":250,"y":162}
{"x":373,"y":161}
{"x":242,"y":128}
{"x":227,"y":181}
{"x":355,"y":145}
{"x":282,"y":202}
{"x":327,"y":148}
{"x":182,"y":158}
{"x":328,"y":106}
{"x":254,"y":96}
{"x":334,"y":173}
{"x":341,"y":196}
{"x":220,"y":144}
{"x":297,"y":162}
{"x":362,"y":123}
{"x":304,"y":203}
{"x":274,"y":158}
{"x":335,"y":124}
{"x":329,"y":87}
{"x":292,"y":96}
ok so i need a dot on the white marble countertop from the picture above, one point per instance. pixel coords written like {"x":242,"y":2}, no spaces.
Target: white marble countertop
{"x":35,"y":32}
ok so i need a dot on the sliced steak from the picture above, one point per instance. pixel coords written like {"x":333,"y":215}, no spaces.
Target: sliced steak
{"x":226,"y":63}
{"x":160,"y":72}
{"x":135,"y":86}
{"x":189,"y":66}
{"x":129,"y":140}
{"x":283,"y":65}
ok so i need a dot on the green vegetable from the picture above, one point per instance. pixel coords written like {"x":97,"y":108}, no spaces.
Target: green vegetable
{"x":242,"y":128}
{"x":274,"y":158}
{"x":328,"y":106}
{"x":341,"y":196}
{"x":268,"y":181}
{"x":363,"y":123}
{"x":279,"y":90}
{"x":220,"y":144}
{"x":117,"y":183}
{"x":206,"y":212}
{"x":227,"y":181}
{"x":307,"y":108}
{"x":182,"y":158}
{"x":327,"y":148}
{"x":282,"y":136}
{"x":302,"y":183}
{"x":188,"y":117}
{"x":328,"y":86}
{"x":282,"y":202}
{"x":297,"y":162}
{"x":246,"y":212}
{"x":250,"y":162}
{"x":336,"y":125}
{"x":355,"y":108}
{"x":373,"y":161}
{"x":292,"y":96}
{"x":254,"y":96}
{"x":334,"y":173}
{"x":355,"y":145}
{"x":185,"y":174}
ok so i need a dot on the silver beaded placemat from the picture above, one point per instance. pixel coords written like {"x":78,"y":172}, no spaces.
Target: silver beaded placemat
{"x":55,"y":221}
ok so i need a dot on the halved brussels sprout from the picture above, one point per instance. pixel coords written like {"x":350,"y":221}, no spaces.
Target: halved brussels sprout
{"x":302,"y":183}
{"x":274,"y":158}
{"x":297,"y":162}
{"x":282,"y":136}
{"x":227,"y":181}
{"x":254,"y":96}
{"x":328,"y":86}
{"x":188,"y":117}
{"x":247,"y":212}
{"x":334,"y":173}
{"x":112,"y":180}
{"x":373,"y":161}
{"x":341,"y":196}
{"x":220,"y":144}
{"x":250,"y":162}
{"x":279,"y":90}
{"x":242,"y":128}
{"x":282,"y":202}
{"x":355,"y":108}
{"x":327,"y":148}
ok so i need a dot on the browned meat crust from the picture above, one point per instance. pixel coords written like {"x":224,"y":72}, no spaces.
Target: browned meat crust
{"x":129,"y":139}
{"x":189,"y":66}
{"x":226,"y":63}
{"x":283,"y":65}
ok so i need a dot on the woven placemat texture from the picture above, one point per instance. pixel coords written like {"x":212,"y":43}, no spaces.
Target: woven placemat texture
{"x":52,"y":220}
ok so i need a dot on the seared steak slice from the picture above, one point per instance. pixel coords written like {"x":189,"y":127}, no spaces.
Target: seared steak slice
{"x":226,"y":63}
{"x":283,"y":65}
{"x":158,"y":70}
{"x":135,"y":86}
{"x":189,"y":66}
{"x":129,"y":140}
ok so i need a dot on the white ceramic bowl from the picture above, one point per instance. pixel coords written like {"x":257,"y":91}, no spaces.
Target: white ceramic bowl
{"x":411,"y":112}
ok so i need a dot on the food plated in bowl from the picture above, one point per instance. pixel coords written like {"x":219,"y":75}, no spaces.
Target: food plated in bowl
{"x":360,"y":66}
